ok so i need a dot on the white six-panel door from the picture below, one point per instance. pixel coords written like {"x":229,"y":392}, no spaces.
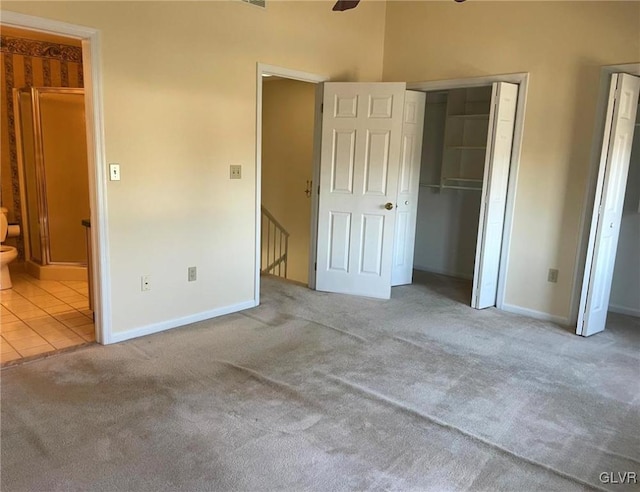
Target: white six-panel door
{"x":360,"y":156}
{"x":502,"y":117}
{"x":408,"y":188}
{"x":609,"y":201}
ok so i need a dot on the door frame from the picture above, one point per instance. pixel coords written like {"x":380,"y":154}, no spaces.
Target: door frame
{"x":587,"y":238}
{"x":522,"y":79}
{"x":287,"y":73}
{"x":92,"y":72}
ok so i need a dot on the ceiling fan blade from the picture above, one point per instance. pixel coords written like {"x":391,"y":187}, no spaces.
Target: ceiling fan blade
{"x":342,"y":5}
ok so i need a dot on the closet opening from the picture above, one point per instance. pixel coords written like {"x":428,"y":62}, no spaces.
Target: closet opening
{"x":451,"y":176}
{"x":624,"y":302}
{"x":462,"y":155}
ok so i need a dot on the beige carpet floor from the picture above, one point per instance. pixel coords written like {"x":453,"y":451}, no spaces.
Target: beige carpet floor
{"x":314,"y":391}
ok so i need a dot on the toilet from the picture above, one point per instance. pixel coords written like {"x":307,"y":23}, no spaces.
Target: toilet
{"x":7,"y":253}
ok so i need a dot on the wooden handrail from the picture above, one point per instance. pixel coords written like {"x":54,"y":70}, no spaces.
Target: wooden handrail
{"x":278,"y":243}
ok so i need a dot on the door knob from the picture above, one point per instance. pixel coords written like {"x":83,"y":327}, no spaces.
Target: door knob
{"x":388,"y":206}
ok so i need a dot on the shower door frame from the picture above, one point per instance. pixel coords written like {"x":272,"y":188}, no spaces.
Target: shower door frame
{"x":41,"y":178}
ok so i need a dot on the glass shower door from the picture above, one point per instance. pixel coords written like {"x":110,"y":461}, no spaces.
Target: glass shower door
{"x":64,"y":152}
{"x":55,"y":174}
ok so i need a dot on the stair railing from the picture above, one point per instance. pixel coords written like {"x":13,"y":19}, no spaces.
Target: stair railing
{"x":275,"y":245}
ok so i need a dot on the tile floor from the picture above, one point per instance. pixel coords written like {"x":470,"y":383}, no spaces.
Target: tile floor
{"x":42,"y":316}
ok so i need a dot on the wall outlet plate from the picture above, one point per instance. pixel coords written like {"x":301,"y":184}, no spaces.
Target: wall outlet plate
{"x":145,"y":283}
{"x":192,"y":274}
{"x":235,"y":171}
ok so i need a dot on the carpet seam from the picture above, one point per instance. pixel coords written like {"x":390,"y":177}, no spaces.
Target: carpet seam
{"x":411,"y":411}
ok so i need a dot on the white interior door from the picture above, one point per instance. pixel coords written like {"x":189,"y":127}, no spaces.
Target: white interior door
{"x":502,"y":117}
{"x":360,"y":156}
{"x":609,"y":201}
{"x":408,"y":187}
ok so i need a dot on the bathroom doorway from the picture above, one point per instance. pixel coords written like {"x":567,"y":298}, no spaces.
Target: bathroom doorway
{"x":41,"y":315}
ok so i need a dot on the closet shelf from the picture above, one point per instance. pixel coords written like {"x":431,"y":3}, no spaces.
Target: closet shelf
{"x":479,"y":116}
{"x":467,"y":147}
{"x":471,"y":184}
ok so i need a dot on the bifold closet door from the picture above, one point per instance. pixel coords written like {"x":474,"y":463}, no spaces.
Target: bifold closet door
{"x":608,"y":204}
{"x":360,"y":156}
{"x":408,"y":187}
{"x":504,"y":99}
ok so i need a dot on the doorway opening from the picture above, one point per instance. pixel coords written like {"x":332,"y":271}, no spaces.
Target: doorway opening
{"x":451,"y":178}
{"x":611,"y":275}
{"x":624,"y":302}
{"x":59,"y":73}
{"x":47,"y":289}
{"x":287,"y":177}
{"x":457,"y":172}
{"x":287,"y":125}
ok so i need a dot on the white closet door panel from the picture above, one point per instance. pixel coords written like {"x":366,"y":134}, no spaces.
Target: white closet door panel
{"x":609,"y":202}
{"x":408,"y":188}
{"x":502,"y":117}
{"x":360,"y":156}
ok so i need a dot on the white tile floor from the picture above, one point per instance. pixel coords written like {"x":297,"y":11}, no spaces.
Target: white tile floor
{"x":42,"y":316}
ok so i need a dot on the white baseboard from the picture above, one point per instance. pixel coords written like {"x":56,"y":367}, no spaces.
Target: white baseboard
{"x":624,"y":310}
{"x":532,"y":313}
{"x":185,"y":320}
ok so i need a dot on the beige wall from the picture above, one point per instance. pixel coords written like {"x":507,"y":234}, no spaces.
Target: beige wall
{"x":180,"y":107}
{"x":179,"y":98}
{"x":288,"y":109}
{"x":562,"y":45}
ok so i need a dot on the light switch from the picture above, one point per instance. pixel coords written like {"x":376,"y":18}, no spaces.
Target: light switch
{"x":235,"y":171}
{"x":114,"y":172}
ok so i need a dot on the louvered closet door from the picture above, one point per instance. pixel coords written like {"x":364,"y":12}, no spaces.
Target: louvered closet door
{"x":609,"y":202}
{"x":504,"y":99}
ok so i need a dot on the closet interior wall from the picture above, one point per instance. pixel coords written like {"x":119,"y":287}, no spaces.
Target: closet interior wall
{"x":451,"y":175}
{"x":625,"y":287}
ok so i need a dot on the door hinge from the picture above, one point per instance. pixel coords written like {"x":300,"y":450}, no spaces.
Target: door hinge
{"x":318,"y":189}
{"x":322,"y":107}
{"x":315,"y":266}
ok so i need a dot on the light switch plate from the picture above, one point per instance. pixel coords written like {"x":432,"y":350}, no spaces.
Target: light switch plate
{"x":114,"y":172}
{"x":235,"y":171}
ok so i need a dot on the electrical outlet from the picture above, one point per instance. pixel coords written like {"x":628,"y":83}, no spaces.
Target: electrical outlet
{"x":145,"y":282}
{"x":553,"y":275}
{"x":235,"y":171}
{"x":192,"y":274}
